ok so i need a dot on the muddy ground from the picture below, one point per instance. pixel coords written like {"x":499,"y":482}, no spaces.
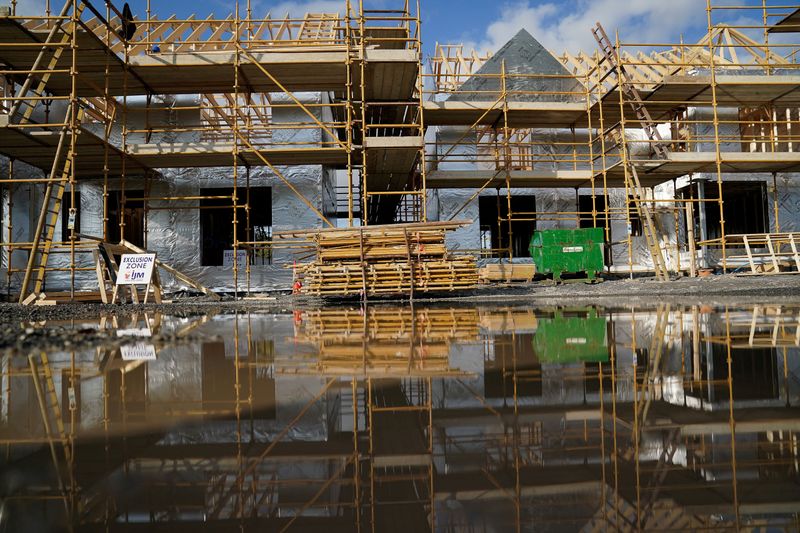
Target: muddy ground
{"x":26,"y":327}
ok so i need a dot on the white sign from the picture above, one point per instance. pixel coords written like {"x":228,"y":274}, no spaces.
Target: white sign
{"x":576,"y":340}
{"x":572,"y":249}
{"x":134,"y":332}
{"x":73,"y":214}
{"x":138,"y":352}
{"x":72,"y":399}
{"x":135,"y":269}
{"x":241,"y":259}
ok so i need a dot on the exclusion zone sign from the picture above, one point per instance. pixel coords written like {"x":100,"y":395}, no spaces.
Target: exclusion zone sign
{"x":135,"y":269}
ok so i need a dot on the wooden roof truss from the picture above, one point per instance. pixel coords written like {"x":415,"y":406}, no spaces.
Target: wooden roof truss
{"x":451,"y":67}
{"x":193,"y":35}
{"x":733,"y":50}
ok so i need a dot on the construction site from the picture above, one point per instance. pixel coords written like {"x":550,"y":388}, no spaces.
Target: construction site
{"x":238,"y":149}
{"x":324,"y":273}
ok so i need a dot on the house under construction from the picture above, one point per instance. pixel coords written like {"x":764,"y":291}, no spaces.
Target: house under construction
{"x":217,"y":143}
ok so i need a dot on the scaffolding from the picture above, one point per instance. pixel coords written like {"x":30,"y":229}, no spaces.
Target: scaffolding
{"x":365,"y":63}
{"x":652,"y":116}
{"x":79,"y":101}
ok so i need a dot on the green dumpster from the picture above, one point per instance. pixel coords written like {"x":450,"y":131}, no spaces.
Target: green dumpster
{"x":566,"y":340}
{"x":560,"y":251}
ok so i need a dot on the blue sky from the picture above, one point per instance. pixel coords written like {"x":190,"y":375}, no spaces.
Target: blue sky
{"x":486,"y":25}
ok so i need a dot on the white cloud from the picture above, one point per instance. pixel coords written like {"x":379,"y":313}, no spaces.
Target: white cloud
{"x":567,"y":25}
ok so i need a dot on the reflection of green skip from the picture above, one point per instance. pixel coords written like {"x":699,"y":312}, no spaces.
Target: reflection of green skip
{"x":571,"y":339}
{"x":560,"y":251}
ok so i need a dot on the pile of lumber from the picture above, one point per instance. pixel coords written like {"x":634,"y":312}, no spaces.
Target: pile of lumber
{"x":380,"y":341}
{"x":383,"y":260}
{"x":334,"y":325}
{"x":507,"y":272}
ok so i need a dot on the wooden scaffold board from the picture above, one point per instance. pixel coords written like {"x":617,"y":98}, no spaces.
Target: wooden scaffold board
{"x":383,"y":260}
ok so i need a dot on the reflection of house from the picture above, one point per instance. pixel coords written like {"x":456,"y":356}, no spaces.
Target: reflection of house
{"x":231,"y":427}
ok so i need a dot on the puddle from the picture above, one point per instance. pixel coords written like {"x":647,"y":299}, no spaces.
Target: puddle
{"x":408,"y":418}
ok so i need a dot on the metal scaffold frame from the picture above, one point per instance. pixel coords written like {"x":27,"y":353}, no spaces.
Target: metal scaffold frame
{"x":361,"y":43}
{"x":644,"y":87}
{"x":574,"y":131}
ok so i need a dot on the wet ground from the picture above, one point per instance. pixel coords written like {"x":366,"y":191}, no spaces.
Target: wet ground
{"x":18,"y":324}
{"x":522,"y":411}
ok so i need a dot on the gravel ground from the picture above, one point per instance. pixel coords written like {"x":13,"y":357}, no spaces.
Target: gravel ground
{"x":23,"y":328}
{"x":723,"y":290}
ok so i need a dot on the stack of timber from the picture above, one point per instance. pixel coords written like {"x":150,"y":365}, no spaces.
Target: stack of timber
{"x":380,"y":341}
{"x":507,"y":272}
{"x":391,"y":324}
{"x":383,"y":260}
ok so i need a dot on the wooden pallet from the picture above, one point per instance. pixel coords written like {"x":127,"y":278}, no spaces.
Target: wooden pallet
{"x":350,"y":279}
{"x":767,"y":253}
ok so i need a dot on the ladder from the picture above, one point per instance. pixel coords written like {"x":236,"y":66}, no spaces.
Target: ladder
{"x":629,"y":90}
{"x":319,"y":27}
{"x":48,"y":403}
{"x":655,"y":353}
{"x":54,"y":192}
{"x":649,"y":230}
{"x":654,"y":485}
{"x":48,"y":217}
{"x":656,"y":143}
{"x":43,"y":79}
{"x":644,"y":397}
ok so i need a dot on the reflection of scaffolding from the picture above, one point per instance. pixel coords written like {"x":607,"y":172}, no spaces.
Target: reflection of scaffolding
{"x":57,"y":437}
{"x":379,"y":342}
{"x":401,"y":469}
{"x":762,"y":327}
{"x":415,"y":447}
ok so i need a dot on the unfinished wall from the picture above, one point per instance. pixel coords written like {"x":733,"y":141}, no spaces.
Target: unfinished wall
{"x":176,"y":234}
{"x":466,"y":155}
{"x":19,"y":210}
{"x":565,"y":153}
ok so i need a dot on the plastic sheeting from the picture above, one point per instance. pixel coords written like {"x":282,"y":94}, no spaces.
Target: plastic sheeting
{"x":176,"y":234}
{"x":523,"y":57}
{"x":553,"y":151}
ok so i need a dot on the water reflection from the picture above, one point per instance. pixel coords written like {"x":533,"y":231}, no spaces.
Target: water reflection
{"x":411,"y":419}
